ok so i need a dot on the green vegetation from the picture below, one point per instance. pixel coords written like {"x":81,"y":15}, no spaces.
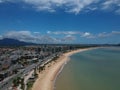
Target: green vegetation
{"x":30,"y":84}
{"x":18,"y":81}
{"x":22,"y":84}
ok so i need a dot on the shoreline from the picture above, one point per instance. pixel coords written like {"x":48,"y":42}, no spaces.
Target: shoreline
{"x":47,"y":78}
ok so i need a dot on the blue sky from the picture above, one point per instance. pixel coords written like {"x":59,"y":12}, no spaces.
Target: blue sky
{"x":61,"y":21}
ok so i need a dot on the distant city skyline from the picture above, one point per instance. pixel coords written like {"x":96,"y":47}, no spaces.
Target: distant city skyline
{"x":61,"y":21}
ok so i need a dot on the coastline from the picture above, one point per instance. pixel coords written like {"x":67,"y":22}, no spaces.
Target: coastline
{"x":46,"y":78}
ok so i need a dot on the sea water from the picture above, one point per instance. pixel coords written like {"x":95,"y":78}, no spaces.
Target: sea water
{"x":97,"y":69}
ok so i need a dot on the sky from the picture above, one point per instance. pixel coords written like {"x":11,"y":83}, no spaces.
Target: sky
{"x":61,"y":21}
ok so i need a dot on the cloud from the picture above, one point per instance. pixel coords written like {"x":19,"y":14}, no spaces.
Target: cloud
{"x":27,"y":36}
{"x":117,"y":11}
{"x":73,"y":6}
{"x":110,"y":3}
{"x":36,"y":37}
{"x":87,"y":35}
{"x":37,"y":32}
{"x":20,"y":35}
{"x":70,"y":6}
{"x":1,"y":37}
{"x":105,"y":34}
{"x":63,"y":37}
{"x":69,"y":37}
{"x":76,"y":6}
{"x":115,"y":32}
{"x":64,"y":32}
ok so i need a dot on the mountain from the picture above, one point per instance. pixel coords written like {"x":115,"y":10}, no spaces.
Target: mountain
{"x":13,"y":42}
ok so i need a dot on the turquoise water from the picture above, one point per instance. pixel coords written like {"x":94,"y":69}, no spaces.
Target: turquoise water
{"x":97,"y":69}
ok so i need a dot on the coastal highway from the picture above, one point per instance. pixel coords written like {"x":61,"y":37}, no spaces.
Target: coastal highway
{"x":7,"y":83}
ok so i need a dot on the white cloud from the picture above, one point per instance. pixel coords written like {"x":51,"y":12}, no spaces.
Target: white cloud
{"x":48,"y":32}
{"x":87,"y":35}
{"x":0,"y":1}
{"x":105,"y":34}
{"x":115,"y":32}
{"x":74,"y":6}
{"x":20,"y":35}
{"x":64,"y":32}
{"x":37,"y":32}
{"x":63,"y":37}
{"x":36,"y":37}
{"x":117,"y":11}
{"x":100,"y":35}
{"x":1,"y":37}
{"x":71,"y":6}
{"x":110,"y":3}
{"x":69,"y":37}
{"x":71,"y":33}
{"x":27,"y":36}
{"x":46,"y":39}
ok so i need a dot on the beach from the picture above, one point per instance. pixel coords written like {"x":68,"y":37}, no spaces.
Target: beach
{"x":46,"y":78}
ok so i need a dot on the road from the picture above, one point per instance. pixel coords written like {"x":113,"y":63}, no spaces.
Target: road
{"x":7,"y":83}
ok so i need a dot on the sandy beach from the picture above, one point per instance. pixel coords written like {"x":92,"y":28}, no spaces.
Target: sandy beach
{"x":47,"y":77}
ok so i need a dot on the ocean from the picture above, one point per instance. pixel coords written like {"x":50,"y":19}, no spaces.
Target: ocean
{"x":97,"y":69}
